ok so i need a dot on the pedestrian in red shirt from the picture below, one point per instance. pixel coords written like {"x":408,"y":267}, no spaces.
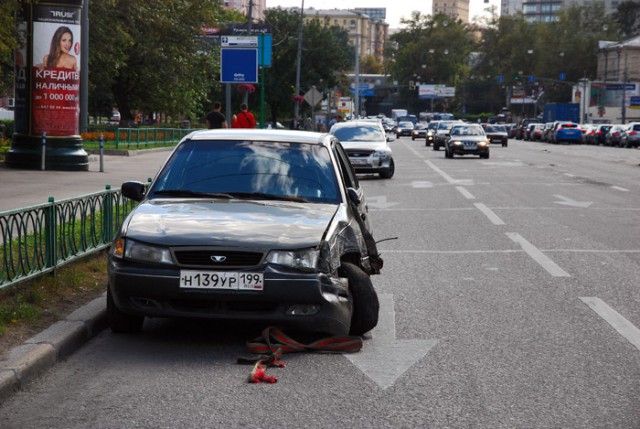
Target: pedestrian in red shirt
{"x":244,"y":119}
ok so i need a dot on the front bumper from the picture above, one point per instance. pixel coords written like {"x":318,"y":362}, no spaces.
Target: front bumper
{"x":370,"y":164}
{"x":315,"y":302}
{"x":463,"y":150}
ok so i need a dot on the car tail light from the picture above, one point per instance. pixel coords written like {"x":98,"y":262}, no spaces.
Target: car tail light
{"x":633,"y":133}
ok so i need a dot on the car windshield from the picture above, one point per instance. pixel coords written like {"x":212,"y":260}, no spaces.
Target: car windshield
{"x":359,"y":134}
{"x":467,"y":131}
{"x":406,"y":125}
{"x":496,"y":129}
{"x":445,"y":125}
{"x":248,"y":170}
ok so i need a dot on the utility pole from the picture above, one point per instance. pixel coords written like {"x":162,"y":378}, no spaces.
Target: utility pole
{"x":624,"y":90}
{"x":296,"y":103}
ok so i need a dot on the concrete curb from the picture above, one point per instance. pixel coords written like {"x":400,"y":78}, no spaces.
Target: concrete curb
{"x":30,"y":360}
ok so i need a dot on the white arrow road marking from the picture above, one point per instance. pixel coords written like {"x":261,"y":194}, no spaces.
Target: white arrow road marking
{"x":613,"y":318}
{"x":573,"y":203}
{"x":380,"y":202}
{"x":383,"y":358}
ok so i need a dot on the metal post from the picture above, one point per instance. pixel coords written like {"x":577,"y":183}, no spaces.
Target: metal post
{"x":357,"y":75}
{"x":44,"y":151}
{"x":101,"y":153}
{"x":296,"y":104}
{"x":624,"y":90}
{"x":262,"y":81}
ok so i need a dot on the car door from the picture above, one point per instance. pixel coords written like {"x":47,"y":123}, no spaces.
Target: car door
{"x":350,"y":180}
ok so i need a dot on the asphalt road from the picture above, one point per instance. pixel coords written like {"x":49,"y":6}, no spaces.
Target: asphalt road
{"x":510,"y":299}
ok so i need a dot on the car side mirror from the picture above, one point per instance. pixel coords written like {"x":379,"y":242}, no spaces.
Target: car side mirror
{"x":133,"y":190}
{"x":390,"y":139}
{"x":353,"y":196}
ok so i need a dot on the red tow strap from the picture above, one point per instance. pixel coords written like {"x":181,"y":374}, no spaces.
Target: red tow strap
{"x":273,"y":343}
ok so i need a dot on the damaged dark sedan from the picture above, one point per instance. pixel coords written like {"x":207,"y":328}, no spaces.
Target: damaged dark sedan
{"x":255,"y":225}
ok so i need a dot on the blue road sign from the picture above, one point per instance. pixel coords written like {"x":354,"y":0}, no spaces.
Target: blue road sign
{"x":563,"y":76}
{"x":500,"y":79}
{"x":238,"y":65}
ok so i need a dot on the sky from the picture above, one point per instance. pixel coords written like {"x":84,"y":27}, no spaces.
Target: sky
{"x":395,"y":10}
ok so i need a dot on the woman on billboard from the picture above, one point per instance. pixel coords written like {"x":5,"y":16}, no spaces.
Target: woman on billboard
{"x":59,"y":56}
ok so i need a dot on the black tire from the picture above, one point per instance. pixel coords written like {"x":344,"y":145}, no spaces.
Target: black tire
{"x":119,"y":322}
{"x":412,"y":138}
{"x":366,"y":306}
{"x":436,"y":146}
{"x":388,"y":173}
{"x":504,"y":144}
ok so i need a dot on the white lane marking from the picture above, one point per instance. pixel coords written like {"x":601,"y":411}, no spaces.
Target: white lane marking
{"x":620,"y":188}
{"x":440,"y":172}
{"x":468,"y":195}
{"x":490,"y":214}
{"x":569,"y":175}
{"x":613,"y":318}
{"x":537,"y":255}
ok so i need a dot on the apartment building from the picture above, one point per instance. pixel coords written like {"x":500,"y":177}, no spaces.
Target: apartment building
{"x":456,"y":9}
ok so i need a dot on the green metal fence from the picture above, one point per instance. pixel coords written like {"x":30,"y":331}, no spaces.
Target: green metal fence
{"x":38,"y":239}
{"x":133,"y":138}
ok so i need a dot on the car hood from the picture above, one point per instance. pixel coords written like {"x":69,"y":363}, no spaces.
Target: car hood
{"x":272,"y":224}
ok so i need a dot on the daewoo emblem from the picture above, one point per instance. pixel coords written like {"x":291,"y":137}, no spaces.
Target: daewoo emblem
{"x":216,"y":258}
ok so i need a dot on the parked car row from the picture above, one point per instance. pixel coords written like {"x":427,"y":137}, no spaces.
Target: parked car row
{"x":612,"y":134}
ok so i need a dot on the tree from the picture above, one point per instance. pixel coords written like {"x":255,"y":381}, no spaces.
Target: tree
{"x":8,"y":42}
{"x":370,"y":65}
{"x":326,"y":56}
{"x":431,"y":49}
{"x":144,"y":55}
{"x":628,"y":18}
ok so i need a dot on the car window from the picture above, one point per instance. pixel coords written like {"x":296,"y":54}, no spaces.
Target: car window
{"x":467,"y":131}
{"x":249,"y":167}
{"x":359,"y":134}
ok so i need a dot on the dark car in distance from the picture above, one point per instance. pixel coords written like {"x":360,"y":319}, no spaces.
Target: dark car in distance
{"x":256,"y":225}
{"x":496,"y":134}
{"x":467,"y":139}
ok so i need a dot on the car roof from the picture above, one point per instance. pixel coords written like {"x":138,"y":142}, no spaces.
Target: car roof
{"x":292,"y":136}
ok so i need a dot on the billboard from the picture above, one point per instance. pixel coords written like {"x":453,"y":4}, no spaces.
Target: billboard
{"x":436,"y":91}
{"x":55,"y":73}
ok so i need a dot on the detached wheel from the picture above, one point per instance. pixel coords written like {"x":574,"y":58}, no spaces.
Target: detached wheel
{"x":388,"y":173}
{"x":364,"y":299}
{"x":119,"y":322}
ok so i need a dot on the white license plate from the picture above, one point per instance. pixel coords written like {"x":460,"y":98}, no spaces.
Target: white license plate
{"x":228,"y":280}
{"x":358,"y":161}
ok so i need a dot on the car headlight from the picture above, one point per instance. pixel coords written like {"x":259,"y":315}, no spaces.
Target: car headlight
{"x":457,"y":143}
{"x":381,"y":154}
{"x":136,"y":251}
{"x":483,"y":143}
{"x":299,"y":259}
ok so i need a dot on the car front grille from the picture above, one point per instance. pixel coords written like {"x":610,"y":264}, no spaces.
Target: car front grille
{"x":217,"y":258}
{"x":359,"y":153}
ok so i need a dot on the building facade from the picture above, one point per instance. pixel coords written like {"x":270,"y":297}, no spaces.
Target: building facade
{"x":547,"y":10}
{"x":368,"y":34}
{"x":257,"y":8}
{"x":456,"y":9}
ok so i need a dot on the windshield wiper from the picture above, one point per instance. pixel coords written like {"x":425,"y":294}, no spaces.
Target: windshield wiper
{"x":189,"y":193}
{"x":263,"y":196}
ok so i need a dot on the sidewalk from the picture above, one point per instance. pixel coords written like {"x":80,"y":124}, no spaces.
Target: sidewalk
{"x":23,"y":188}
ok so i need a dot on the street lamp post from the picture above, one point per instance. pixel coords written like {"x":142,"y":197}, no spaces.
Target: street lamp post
{"x":296,"y":104}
